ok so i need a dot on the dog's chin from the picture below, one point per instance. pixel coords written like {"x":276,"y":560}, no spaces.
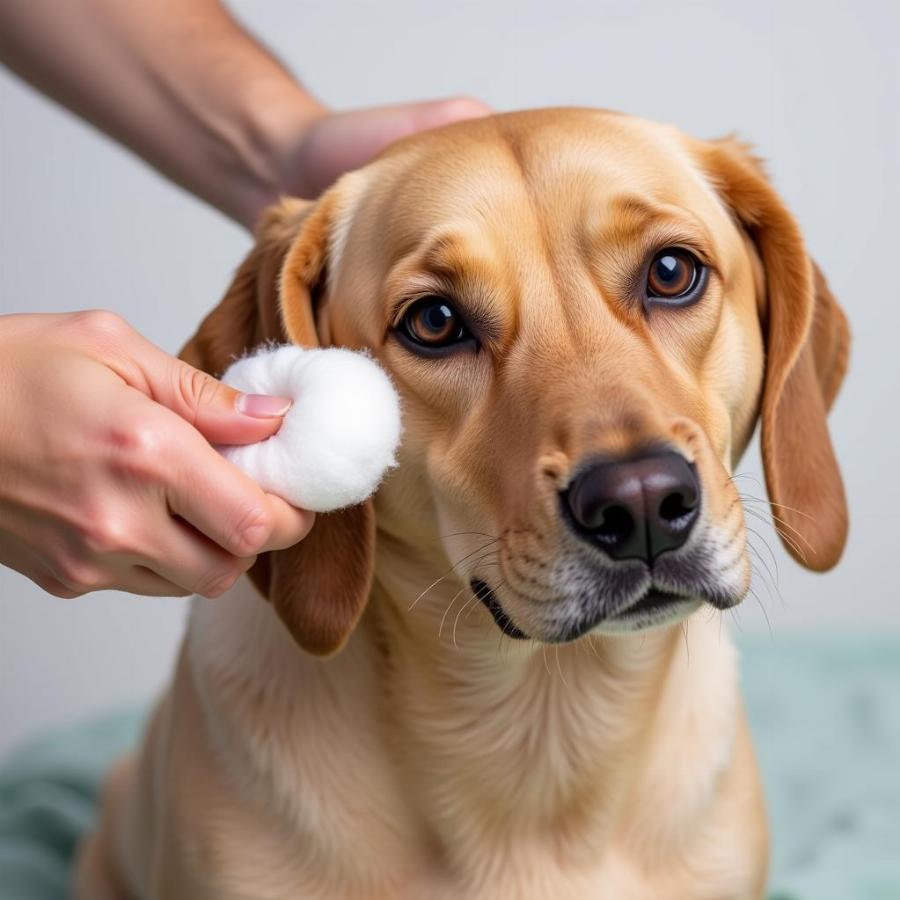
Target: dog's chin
{"x":655,"y":608}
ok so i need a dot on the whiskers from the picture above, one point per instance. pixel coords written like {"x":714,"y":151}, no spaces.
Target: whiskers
{"x":493,"y":541}
{"x":789,"y":533}
{"x":771,"y":514}
{"x":486,"y":554}
{"x":473,"y":599}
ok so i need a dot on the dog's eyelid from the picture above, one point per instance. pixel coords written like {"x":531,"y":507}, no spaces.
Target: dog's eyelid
{"x":697,"y":248}
{"x":476,"y":319}
{"x":400,"y":307}
{"x":483,"y":325}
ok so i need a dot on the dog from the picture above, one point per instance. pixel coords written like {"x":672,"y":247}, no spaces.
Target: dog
{"x":505,"y":676}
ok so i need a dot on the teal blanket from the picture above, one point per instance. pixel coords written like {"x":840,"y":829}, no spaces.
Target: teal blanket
{"x":826,"y":720}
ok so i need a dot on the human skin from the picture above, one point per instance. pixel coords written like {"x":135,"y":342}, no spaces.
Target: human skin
{"x":181,"y":84}
{"x":110,"y":479}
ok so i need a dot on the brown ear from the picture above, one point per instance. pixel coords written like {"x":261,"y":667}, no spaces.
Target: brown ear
{"x":318,"y":587}
{"x":807,"y":348}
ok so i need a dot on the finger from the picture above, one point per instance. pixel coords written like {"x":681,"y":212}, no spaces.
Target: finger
{"x":219,"y":412}
{"x":129,"y":578}
{"x":20,"y":557}
{"x":289,"y":524}
{"x":142,"y":581}
{"x":184,"y":557}
{"x":118,"y":573}
{"x":344,"y":141}
{"x":52,"y":585}
{"x":226,"y":505}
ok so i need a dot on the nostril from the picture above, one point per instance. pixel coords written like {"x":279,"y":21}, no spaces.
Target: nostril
{"x":614,"y":524}
{"x":635,"y":508}
{"x":595,"y":511}
{"x":677,"y":507}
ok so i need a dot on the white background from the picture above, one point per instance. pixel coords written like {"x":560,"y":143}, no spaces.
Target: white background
{"x":813,"y":84}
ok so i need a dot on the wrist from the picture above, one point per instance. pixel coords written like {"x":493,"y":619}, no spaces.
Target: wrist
{"x":275,"y":120}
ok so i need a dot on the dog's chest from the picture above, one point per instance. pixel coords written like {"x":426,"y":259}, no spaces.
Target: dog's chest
{"x":420,"y":802}
{"x":299,"y":737}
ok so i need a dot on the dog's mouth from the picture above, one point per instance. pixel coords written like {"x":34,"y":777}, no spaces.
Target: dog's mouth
{"x":654,"y":601}
{"x":649,"y":608}
{"x":504,"y":623}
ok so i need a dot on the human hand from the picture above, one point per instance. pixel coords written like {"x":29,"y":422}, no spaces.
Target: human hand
{"x":309,"y":146}
{"x":109,"y":479}
{"x":335,"y":143}
{"x":200,"y":99}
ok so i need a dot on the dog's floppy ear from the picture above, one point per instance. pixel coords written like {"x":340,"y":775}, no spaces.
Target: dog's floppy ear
{"x":807,"y":347}
{"x":318,"y":587}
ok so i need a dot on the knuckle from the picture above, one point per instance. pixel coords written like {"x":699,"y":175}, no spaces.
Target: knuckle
{"x":309,"y":519}
{"x":105,"y":534}
{"x":100,"y":325}
{"x":78,"y":575}
{"x":136,"y":447}
{"x":465,"y":107}
{"x":197,"y":389}
{"x":56,"y":588}
{"x":217,"y":582}
{"x":253,"y":529}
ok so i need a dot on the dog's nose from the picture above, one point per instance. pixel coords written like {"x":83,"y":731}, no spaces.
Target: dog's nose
{"x":636,"y":508}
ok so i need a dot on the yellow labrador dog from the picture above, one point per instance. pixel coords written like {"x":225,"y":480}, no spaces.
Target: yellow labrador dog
{"x":507,"y":675}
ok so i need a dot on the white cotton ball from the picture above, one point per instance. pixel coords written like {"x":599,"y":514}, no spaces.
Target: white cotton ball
{"x":337,"y":440}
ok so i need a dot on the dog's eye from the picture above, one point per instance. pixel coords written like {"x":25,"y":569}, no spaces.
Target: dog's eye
{"x":433,"y":323}
{"x":675,"y":276}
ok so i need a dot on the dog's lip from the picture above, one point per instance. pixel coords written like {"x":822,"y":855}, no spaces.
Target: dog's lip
{"x":481,"y":590}
{"x":651,"y":601}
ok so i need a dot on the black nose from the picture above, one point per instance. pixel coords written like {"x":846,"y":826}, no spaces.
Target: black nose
{"x":636,"y":508}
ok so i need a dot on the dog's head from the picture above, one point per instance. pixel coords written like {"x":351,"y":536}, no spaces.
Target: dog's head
{"x":585,"y":314}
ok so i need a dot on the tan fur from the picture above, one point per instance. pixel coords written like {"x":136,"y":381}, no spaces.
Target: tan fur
{"x":432,"y":757}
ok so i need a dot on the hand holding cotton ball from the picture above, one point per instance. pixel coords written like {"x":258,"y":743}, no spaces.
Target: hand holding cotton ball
{"x":339,"y":437}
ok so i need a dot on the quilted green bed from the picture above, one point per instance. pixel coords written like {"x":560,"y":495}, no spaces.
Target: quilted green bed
{"x":826,"y":719}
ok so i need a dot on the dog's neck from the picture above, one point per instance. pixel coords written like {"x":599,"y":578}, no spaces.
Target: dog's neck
{"x":509,"y":738}
{"x":485,"y":760}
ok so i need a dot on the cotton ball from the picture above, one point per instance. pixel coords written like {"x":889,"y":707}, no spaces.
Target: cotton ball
{"x":338,"y":438}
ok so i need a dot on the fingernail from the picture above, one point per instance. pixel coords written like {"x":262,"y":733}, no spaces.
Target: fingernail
{"x":262,"y":406}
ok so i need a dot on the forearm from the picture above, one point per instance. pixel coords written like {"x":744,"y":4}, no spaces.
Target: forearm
{"x":176,"y":81}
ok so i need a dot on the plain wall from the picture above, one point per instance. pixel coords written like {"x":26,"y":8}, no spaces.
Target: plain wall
{"x":813,"y":84}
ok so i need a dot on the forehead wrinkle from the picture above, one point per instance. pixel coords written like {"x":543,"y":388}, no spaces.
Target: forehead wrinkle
{"x":464,"y":209}
{"x":533,"y":280}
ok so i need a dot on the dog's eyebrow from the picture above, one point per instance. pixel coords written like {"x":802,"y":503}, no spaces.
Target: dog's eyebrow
{"x":460,"y":267}
{"x":634,"y":218}
{"x":456,"y":258}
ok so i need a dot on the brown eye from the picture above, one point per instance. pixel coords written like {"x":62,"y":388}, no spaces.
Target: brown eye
{"x":433,"y":323}
{"x":674,"y":274}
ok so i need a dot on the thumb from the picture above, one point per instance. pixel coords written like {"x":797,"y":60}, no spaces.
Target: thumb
{"x":340,"y":142}
{"x":220,"y":413}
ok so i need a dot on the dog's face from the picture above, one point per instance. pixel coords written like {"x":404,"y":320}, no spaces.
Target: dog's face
{"x":584,"y":313}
